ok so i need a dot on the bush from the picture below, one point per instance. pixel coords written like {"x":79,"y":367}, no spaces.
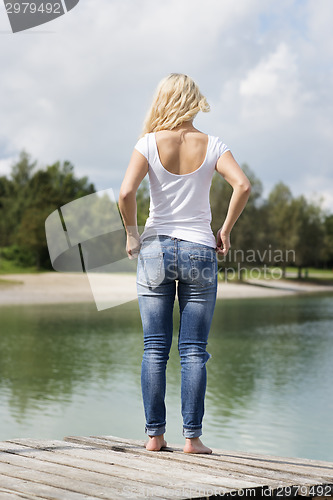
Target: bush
{"x":17,"y":255}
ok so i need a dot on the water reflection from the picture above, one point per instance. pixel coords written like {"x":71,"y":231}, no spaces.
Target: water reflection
{"x":47,"y":351}
{"x":270,"y":383}
{"x":69,"y":369}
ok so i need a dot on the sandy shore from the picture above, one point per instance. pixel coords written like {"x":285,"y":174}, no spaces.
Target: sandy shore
{"x":57,"y":288}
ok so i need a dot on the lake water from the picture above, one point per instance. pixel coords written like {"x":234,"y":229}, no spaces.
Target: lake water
{"x":71,"y":370}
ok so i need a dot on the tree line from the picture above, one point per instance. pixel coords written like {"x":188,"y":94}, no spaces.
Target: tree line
{"x":279,"y":231}
{"x":27,"y":198}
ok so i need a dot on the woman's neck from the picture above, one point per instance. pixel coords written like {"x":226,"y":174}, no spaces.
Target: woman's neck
{"x":184,"y":126}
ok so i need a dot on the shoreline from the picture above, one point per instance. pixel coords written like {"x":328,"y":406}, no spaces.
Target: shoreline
{"x":59,"y":288}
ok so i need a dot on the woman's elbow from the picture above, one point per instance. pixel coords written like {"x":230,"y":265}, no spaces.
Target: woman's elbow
{"x":126,"y":194}
{"x":247,"y":187}
{"x":244,"y":187}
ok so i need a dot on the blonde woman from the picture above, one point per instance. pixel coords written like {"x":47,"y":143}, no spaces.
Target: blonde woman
{"x":177,"y":251}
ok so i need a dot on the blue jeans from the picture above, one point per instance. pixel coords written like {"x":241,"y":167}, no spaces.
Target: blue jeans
{"x":167,"y":264}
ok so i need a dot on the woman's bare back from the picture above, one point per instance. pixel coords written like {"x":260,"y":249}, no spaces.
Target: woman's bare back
{"x":181,"y":151}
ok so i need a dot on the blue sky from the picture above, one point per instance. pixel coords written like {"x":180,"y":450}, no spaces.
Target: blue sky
{"x":78,"y":88}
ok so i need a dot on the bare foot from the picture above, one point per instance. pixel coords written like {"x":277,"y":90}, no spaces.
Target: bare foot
{"x":194,"y":445}
{"x":155,"y":443}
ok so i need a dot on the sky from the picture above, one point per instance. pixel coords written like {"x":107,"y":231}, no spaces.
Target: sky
{"x":78,"y":88}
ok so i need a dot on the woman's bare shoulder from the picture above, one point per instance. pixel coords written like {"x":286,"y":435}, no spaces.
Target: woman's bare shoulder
{"x":181,"y":136}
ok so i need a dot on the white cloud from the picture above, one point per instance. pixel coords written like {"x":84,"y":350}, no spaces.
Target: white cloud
{"x":319,"y":16}
{"x":5,"y":166}
{"x":79,"y":89}
{"x":272,"y":86}
{"x":318,"y":189}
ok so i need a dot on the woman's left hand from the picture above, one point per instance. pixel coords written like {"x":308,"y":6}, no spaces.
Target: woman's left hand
{"x":223,"y":242}
{"x":133,"y":246}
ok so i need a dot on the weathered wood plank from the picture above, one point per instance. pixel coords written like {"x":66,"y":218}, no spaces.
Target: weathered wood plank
{"x":207,"y":476}
{"x":109,"y":467}
{"x":274,"y":463}
{"x":78,"y":482}
{"x":112,"y":472}
{"x":6,"y":494}
{"x":223,"y":453}
{"x":96,"y":459}
{"x":212,"y":481}
{"x":185,"y":478}
{"x":140,"y":443}
{"x":34,"y":490}
{"x":218,"y":480}
{"x":288,"y":472}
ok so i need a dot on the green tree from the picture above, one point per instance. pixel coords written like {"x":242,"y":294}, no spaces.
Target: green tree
{"x":327,"y":253}
{"x":142,"y":201}
{"x":22,"y":171}
{"x":308,"y":232}
{"x":280,"y":219}
{"x":29,"y":196}
{"x":14,"y":197}
{"x":6,"y":197}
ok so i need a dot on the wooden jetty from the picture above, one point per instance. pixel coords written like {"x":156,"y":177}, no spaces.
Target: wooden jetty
{"x":108,"y":467}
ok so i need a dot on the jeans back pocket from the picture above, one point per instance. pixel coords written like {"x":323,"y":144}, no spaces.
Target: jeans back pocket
{"x":203,"y":267}
{"x":150,"y":268}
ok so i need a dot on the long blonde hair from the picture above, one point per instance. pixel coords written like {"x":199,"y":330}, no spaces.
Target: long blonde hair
{"x":177,"y":100}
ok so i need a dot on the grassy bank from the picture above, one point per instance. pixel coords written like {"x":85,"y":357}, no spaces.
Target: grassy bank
{"x":5,"y":282}
{"x":309,"y":275}
{"x":12,"y":267}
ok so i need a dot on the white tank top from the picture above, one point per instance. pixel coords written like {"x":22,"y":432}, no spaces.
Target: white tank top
{"x":179,"y":203}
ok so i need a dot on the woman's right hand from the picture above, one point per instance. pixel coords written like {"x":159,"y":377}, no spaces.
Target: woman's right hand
{"x":133,"y":246}
{"x":222,"y":242}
